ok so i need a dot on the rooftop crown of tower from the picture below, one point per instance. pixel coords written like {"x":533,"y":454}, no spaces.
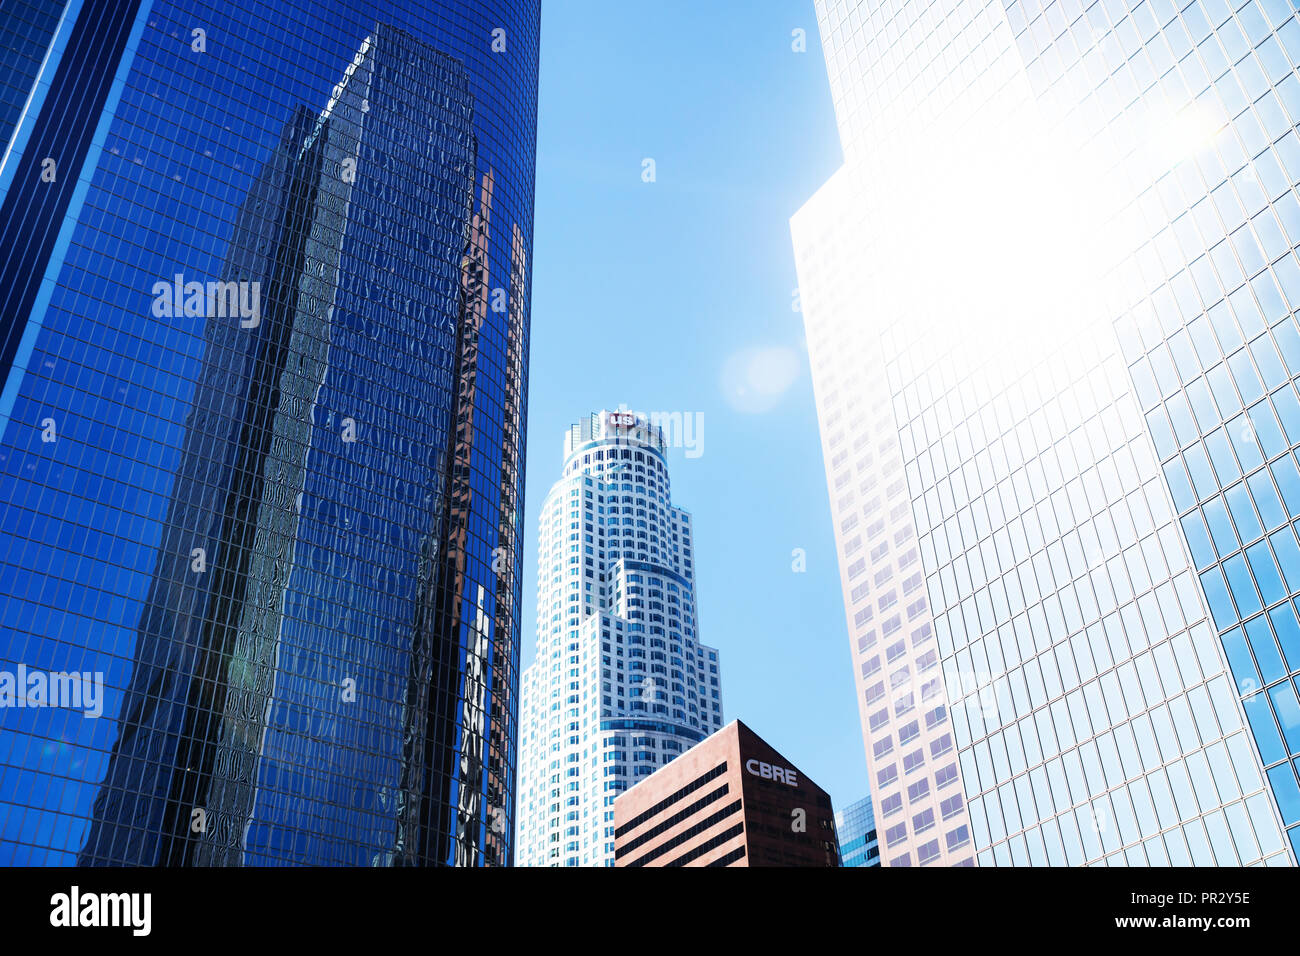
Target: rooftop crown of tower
{"x":620,"y":427}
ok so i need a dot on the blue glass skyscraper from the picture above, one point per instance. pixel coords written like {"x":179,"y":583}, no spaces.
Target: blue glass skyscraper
{"x":856,"y":827}
{"x":264,"y":279}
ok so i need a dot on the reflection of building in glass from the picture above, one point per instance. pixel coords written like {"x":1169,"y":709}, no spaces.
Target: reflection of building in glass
{"x":856,"y":827}
{"x":621,"y":684}
{"x":1049,"y":301}
{"x":476,"y":294}
{"x":731,"y":800}
{"x":289,"y":542}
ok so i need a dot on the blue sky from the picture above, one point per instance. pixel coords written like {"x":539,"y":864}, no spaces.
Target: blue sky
{"x":676,"y":296}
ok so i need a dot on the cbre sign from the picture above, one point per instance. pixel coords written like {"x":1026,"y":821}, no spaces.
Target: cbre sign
{"x":769,"y":772}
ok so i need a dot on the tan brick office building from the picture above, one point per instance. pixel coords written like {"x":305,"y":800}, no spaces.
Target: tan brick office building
{"x":731,"y":800}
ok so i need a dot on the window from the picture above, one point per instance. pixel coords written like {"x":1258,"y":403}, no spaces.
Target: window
{"x":927,"y":852}
{"x":951,"y":807}
{"x":913,"y":761}
{"x":945,"y":776}
{"x":909,"y":732}
{"x":958,"y":837}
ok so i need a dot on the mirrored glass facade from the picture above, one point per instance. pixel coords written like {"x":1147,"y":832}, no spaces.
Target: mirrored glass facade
{"x":264,"y":274}
{"x":855,"y":826}
{"x":1065,"y":233}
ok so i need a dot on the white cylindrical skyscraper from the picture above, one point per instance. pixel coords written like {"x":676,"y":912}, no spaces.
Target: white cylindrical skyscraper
{"x":621,"y":684}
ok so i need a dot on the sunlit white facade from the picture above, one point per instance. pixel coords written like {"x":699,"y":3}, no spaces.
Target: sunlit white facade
{"x":621,"y":684}
{"x":1056,"y":277}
